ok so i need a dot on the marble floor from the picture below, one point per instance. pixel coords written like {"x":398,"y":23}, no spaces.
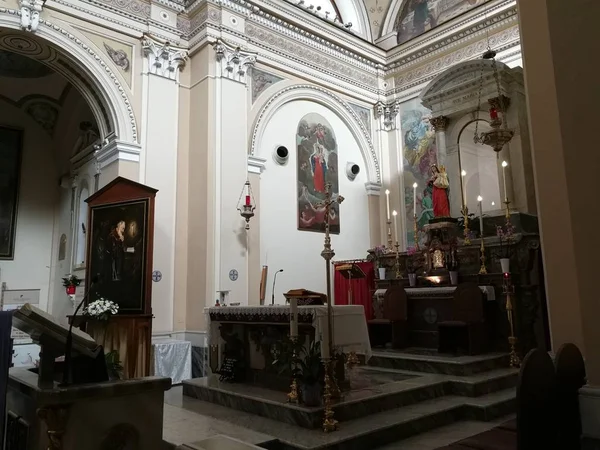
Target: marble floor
{"x":187,"y":420}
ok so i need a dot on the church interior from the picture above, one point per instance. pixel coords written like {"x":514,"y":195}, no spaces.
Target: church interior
{"x":298,"y":225}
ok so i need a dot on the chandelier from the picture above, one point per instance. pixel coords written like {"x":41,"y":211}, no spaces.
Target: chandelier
{"x":500,"y":134}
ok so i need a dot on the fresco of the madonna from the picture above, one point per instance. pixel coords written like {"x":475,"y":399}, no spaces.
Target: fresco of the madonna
{"x":419,"y":16}
{"x":317,"y":166}
{"x":420,"y":166}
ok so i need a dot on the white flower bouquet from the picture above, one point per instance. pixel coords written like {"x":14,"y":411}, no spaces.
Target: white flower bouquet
{"x":101,"y":309}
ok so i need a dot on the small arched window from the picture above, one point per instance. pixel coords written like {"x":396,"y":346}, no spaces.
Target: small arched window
{"x":81,"y":225}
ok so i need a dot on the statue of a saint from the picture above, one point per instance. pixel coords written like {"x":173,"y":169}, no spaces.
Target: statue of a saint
{"x":440,"y":195}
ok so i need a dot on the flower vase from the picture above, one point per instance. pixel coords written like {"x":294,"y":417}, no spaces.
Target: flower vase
{"x":412,"y":279}
{"x":505,"y":265}
{"x":381,"y":273}
{"x":453,"y":277}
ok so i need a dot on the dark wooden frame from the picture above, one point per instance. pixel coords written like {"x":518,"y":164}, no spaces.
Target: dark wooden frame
{"x":10,"y":255}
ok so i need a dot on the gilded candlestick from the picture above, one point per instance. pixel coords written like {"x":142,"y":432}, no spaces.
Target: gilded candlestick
{"x":416,"y":229}
{"x":482,"y":269}
{"x":329,"y":423}
{"x":398,"y":273}
{"x":512,"y":339}
{"x":389,"y":235}
{"x":293,"y":395}
{"x":465,"y":212}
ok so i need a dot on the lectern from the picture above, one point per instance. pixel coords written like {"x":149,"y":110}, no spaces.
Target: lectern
{"x":350,"y":272}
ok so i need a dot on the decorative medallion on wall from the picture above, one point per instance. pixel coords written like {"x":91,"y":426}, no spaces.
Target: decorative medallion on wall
{"x":118,"y":56}
{"x":233,"y":275}
{"x":156,"y":276}
{"x":44,"y":113}
{"x":364,"y":115}
{"x":261,"y":81}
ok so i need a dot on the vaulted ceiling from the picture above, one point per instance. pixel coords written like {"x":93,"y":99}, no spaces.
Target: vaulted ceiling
{"x":376,"y":19}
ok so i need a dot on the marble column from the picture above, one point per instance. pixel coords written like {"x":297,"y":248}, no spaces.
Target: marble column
{"x":440,"y":124}
{"x":158,"y":164}
{"x":373,"y":198}
{"x":558,"y":38}
{"x":232,"y":240}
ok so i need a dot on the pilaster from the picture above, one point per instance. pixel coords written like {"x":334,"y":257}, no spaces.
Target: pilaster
{"x":374,"y":199}
{"x":231,"y":167}
{"x":158,"y":167}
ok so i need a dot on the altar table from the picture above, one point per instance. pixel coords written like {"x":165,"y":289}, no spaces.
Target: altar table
{"x":172,"y":358}
{"x":350,"y":331}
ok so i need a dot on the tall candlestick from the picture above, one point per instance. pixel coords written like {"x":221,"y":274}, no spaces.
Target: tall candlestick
{"x":504,"y":166}
{"x":395,"y":214}
{"x":415,"y":185}
{"x":293,"y":317}
{"x":480,"y":200}
{"x":463,"y":174}
{"x":387,"y":201}
{"x":325,"y":340}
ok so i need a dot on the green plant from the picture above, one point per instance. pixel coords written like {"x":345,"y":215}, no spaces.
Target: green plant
{"x":71,"y":280}
{"x":113,"y":365}
{"x":309,"y":369}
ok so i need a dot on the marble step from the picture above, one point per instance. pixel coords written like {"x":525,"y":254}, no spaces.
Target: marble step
{"x":433,"y":363}
{"x":398,"y":424}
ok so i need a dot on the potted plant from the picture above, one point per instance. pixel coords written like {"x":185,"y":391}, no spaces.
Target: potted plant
{"x":113,"y":365}
{"x":70,"y":282}
{"x":411,"y":266}
{"x":506,"y":235}
{"x":101,"y":309}
{"x":310,"y":373}
{"x":380,"y":251}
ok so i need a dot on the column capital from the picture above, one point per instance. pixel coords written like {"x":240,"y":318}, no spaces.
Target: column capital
{"x":256,"y":164}
{"x":233,"y":61}
{"x":373,"y":188}
{"x":30,"y":14}
{"x":164,"y":59}
{"x":439,"y":123}
{"x":387,"y":113}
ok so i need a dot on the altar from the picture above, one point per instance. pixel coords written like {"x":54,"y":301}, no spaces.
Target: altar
{"x":257,"y":335}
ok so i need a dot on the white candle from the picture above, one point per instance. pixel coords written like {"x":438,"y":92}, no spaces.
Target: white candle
{"x":395,"y":214}
{"x":387,"y":201}
{"x":480,"y":199}
{"x":325,"y":339}
{"x":415,"y":185}
{"x":463,"y":174}
{"x":293,"y":317}
{"x":504,"y":166}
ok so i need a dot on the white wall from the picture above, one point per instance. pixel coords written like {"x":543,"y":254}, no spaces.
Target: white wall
{"x":282,"y":245}
{"x":38,"y":194}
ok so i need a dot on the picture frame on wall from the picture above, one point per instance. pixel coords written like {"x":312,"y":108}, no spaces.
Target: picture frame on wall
{"x":117,"y":251}
{"x":11,"y":148}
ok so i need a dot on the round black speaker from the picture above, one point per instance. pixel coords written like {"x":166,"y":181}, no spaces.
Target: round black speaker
{"x":354,"y":169}
{"x":282,"y":152}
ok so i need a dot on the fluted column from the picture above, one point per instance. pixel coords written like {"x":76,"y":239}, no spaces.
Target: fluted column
{"x":440,"y":124}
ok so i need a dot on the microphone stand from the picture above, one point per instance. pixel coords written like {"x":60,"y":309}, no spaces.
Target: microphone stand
{"x":67,"y":375}
{"x":273,"y":292}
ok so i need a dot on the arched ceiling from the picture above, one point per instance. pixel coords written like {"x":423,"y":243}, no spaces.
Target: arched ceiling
{"x":374,"y":19}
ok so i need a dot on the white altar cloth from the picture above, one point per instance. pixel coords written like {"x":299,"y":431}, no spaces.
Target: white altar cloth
{"x":350,"y":332}
{"x":172,"y":358}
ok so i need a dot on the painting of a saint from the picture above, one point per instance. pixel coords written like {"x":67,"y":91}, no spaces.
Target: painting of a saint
{"x":419,"y":155}
{"x":419,"y":16}
{"x":317,"y":166}
{"x":117,"y":254}
{"x":10,"y":169}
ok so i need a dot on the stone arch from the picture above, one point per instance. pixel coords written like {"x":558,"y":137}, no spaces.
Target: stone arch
{"x":390,"y":19}
{"x":74,"y":58}
{"x":331,"y":101}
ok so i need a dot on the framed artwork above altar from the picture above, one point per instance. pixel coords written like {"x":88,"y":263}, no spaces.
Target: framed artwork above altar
{"x":11,"y":141}
{"x":317,"y":155}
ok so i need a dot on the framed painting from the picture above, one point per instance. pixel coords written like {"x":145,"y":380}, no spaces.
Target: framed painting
{"x":317,"y":155}
{"x":117,"y":252}
{"x":11,"y":141}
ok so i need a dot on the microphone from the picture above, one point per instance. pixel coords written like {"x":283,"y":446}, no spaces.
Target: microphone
{"x":67,"y":375}
{"x":273,"y":292}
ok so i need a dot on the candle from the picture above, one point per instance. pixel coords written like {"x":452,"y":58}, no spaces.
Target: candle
{"x":247,"y":200}
{"x":480,"y":199}
{"x":504,"y":166}
{"x":325,"y":339}
{"x":293,"y":317}
{"x":387,"y":200}
{"x":415,"y":185}
{"x":463,"y":174}
{"x":493,"y":113}
{"x":395,"y":214}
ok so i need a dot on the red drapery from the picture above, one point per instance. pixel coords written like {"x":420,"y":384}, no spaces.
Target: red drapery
{"x":362,"y":289}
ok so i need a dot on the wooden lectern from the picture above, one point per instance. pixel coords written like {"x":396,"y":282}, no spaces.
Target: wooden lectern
{"x":306,"y":297}
{"x":350,"y":272}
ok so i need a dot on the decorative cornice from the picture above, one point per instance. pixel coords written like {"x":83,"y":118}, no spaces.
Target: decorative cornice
{"x":112,"y":150}
{"x":373,"y":188}
{"x":164,"y":59}
{"x":233,"y":61}
{"x":387,"y":114}
{"x":256,"y":164}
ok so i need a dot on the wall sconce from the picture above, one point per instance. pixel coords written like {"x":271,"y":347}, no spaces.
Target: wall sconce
{"x":248,"y":205}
